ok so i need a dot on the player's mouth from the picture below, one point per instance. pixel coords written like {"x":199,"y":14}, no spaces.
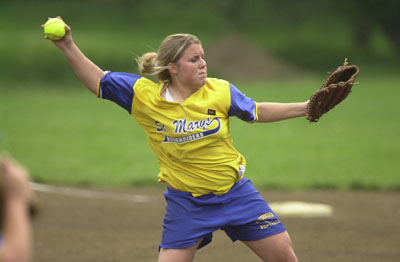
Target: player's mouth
{"x":203,"y":73}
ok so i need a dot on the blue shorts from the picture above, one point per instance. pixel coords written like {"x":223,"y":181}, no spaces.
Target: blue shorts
{"x":242,"y":213}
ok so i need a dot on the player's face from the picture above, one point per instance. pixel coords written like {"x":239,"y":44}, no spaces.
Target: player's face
{"x":191,"y":68}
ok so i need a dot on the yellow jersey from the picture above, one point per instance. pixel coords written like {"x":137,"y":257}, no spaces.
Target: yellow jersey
{"x":191,"y":140}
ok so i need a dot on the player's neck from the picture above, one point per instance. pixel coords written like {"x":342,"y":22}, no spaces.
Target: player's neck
{"x":180,"y":93}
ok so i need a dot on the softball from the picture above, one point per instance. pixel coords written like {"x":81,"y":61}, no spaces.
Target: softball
{"x":54,"y":29}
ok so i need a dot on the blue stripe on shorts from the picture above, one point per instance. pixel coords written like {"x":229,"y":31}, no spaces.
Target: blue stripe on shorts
{"x":242,"y":213}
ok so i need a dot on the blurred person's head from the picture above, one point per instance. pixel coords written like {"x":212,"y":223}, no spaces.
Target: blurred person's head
{"x":14,"y":182}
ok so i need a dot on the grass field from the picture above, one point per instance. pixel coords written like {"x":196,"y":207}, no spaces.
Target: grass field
{"x":65,"y":135}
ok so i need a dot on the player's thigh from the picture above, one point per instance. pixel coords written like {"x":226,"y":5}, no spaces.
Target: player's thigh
{"x":178,"y":255}
{"x":274,"y":248}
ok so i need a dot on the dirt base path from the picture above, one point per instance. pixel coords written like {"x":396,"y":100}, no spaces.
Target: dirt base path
{"x":365,"y":226}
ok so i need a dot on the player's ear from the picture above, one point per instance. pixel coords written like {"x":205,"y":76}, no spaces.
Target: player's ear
{"x":172,"y":68}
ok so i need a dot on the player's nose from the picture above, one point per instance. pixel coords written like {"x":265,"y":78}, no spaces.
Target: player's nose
{"x":203,"y":63}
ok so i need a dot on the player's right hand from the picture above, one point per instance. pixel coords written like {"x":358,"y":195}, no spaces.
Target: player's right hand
{"x":66,"y":40}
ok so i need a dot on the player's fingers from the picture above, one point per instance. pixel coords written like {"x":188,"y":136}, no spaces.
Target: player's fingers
{"x":67,"y":29}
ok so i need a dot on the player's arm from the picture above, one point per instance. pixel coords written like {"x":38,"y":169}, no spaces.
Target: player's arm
{"x":271,"y":112}
{"x":88,"y":72}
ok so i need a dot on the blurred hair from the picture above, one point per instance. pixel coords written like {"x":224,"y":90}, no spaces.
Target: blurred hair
{"x":170,"y":51}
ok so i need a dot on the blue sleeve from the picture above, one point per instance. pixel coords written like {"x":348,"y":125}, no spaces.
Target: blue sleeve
{"x":242,"y":106}
{"x":118,"y":87}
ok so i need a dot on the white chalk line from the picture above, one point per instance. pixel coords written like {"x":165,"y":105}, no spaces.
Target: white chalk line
{"x":89,"y":194}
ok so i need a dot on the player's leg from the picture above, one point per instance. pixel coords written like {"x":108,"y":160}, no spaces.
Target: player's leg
{"x":253,"y":222}
{"x":178,"y":255}
{"x":277,"y":248}
{"x":186,"y":226}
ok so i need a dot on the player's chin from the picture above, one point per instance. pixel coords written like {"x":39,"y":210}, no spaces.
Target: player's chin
{"x":202,"y":79}
{"x":202,"y":83}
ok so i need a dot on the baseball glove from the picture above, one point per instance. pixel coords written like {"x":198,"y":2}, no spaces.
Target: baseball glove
{"x":335,"y":89}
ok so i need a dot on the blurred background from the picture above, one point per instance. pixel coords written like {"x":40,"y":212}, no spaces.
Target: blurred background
{"x":273,"y":50}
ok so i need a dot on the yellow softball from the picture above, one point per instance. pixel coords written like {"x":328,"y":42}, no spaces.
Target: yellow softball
{"x":54,"y":29}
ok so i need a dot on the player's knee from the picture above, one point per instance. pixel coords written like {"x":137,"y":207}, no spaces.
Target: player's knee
{"x":291,"y":257}
{"x":283,"y":257}
{"x":284,"y":254}
{"x":288,"y":255}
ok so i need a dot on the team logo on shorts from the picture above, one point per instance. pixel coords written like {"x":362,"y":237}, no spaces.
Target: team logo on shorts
{"x":264,"y":217}
{"x":267,"y":220}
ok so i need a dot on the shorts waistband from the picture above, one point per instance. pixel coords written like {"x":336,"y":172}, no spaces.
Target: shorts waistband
{"x":173,"y":191}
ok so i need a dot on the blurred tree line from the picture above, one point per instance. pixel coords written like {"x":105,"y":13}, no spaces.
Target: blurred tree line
{"x":307,"y":33}
{"x":368,"y":14}
{"x":362,"y":16}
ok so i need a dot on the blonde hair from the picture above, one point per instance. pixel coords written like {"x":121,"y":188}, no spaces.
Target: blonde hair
{"x":170,"y":51}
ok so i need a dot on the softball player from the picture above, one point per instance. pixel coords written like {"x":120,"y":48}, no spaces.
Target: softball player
{"x":186,"y":118}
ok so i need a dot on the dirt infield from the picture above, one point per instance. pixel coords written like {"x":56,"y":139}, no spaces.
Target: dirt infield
{"x":365,"y":226}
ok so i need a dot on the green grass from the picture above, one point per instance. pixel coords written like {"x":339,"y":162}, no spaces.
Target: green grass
{"x":65,"y":135}
{"x":70,"y":136}
{"x":355,"y":146}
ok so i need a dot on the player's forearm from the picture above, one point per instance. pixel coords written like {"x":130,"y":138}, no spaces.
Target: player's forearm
{"x":271,"y":112}
{"x":88,"y":72}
